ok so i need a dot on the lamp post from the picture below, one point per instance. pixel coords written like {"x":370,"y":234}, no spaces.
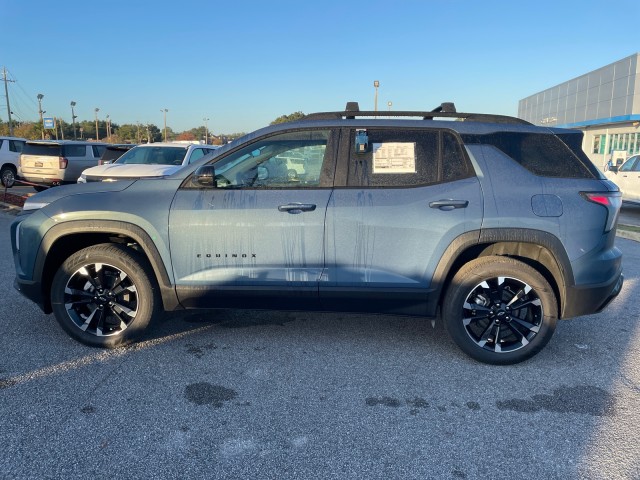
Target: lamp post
{"x":73,"y":119}
{"x":108,"y":128}
{"x":389,"y":104}
{"x":97,"y":136}
{"x":206,"y":131}
{"x":40,"y":97}
{"x":376,"y":84}
{"x":164,"y":110}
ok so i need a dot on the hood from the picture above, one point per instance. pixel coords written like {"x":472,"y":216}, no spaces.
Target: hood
{"x":117,"y":170}
{"x":54,"y":193}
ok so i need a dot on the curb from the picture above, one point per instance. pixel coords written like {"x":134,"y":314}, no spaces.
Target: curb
{"x":628,"y":235}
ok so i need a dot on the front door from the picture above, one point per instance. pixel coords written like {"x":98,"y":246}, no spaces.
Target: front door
{"x":256,"y":238}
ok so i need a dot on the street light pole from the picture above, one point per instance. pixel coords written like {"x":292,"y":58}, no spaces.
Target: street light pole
{"x":97,"y":135}
{"x":376,"y":84}
{"x":73,"y":119}
{"x":108,"y":129}
{"x":206,"y":131}
{"x":164,"y":110}
{"x":40,"y":97}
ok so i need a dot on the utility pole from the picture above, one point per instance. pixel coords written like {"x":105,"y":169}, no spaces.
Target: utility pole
{"x":40,"y":97}
{"x":206,"y":131}
{"x":6,"y":93}
{"x":97,"y":139}
{"x":164,"y":110}
{"x":73,"y":119}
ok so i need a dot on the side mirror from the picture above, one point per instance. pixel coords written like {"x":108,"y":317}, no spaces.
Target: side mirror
{"x":613,"y":168}
{"x":205,"y":176}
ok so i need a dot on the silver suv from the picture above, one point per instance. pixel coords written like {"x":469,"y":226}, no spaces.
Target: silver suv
{"x":52,"y":162}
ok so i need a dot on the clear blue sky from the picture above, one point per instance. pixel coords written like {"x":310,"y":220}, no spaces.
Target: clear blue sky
{"x":243,"y":63}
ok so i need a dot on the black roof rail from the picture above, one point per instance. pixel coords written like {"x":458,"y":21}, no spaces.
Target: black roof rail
{"x":446,"y":110}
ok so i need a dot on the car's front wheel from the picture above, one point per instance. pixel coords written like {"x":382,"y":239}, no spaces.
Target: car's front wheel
{"x":499,"y":310}
{"x":104,"y":295}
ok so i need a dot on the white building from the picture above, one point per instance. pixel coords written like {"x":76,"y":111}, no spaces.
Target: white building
{"x":604,"y":104}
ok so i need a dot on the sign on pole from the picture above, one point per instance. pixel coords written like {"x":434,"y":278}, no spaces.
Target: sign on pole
{"x":49,"y":123}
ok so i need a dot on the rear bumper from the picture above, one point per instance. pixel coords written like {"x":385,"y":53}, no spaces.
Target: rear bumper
{"x":591,"y":299}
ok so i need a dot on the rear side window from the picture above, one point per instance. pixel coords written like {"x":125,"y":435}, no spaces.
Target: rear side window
{"x":74,"y":151}
{"x":405,"y":158}
{"x":42,"y":149}
{"x":542,"y":154}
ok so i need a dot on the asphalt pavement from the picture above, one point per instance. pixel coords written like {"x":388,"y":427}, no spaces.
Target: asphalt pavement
{"x":278,"y":395}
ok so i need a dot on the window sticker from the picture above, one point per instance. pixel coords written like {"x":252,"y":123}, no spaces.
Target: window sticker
{"x":394,"y":157}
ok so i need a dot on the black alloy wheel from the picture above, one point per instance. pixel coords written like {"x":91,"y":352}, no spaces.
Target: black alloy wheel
{"x":500,"y":310}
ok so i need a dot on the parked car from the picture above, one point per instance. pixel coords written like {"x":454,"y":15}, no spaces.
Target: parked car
{"x":52,"y":162}
{"x":148,"y":160}
{"x":627,"y":177}
{"x":113,"y":152}
{"x":10,"y":148}
{"x":498,"y":226}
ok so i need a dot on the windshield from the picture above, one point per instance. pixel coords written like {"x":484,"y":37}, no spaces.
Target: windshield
{"x":153,"y":155}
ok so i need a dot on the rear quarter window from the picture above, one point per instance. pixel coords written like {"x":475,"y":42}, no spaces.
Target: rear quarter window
{"x":543,"y":154}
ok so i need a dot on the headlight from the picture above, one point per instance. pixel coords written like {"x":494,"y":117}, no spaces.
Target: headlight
{"x":32,"y":205}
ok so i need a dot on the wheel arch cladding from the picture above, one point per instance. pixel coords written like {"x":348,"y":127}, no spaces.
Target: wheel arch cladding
{"x":65,"y":239}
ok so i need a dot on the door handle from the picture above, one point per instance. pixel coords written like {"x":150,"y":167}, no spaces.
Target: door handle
{"x":295,"y":208}
{"x":449,"y":204}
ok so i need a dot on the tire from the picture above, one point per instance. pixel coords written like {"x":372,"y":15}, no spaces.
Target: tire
{"x":499,"y":310}
{"x":104,"y":295}
{"x":8,"y":176}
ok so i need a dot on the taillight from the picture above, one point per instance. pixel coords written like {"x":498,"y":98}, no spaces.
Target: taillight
{"x":612,"y":201}
{"x":63,"y":162}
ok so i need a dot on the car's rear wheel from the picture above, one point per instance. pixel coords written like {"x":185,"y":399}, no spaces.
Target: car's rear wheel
{"x":499,"y":310}
{"x":8,"y":176}
{"x":104,"y":295}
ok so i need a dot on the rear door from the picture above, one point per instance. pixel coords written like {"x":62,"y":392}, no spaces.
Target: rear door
{"x":256,"y":234}
{"x":405,"y":196}
{"x":79,"y":158}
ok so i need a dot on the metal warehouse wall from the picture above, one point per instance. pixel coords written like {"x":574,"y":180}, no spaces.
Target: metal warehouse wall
{"x":610,"y":94}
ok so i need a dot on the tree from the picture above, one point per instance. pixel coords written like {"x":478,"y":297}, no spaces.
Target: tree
{"x":288,"y":118}
{"x":186,"y":136}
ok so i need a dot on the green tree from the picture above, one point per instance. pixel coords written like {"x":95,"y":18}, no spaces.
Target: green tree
{"x":288,"y":118}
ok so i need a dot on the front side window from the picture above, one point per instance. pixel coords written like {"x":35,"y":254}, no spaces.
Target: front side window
{"x":289,"y":160}
{"x":630,"y":165}
{"x":197,"y":154}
